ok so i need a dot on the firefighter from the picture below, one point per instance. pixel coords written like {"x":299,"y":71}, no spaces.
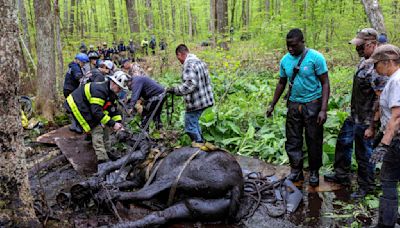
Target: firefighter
{"x":94,"y":108}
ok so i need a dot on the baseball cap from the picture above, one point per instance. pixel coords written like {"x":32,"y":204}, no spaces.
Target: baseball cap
{"x":364,"y":35}
{"x":384,"y":52}
{"x":107,"y":63}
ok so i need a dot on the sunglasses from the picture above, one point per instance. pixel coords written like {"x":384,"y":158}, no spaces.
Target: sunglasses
{"x":360,"y":47}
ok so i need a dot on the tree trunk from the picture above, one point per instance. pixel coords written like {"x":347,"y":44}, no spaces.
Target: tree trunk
{"x":213,"y":21}
{"x":165,"y":13}
{"x":245,"y":13}
{"x":132,"y":16}
{"x":149,"y":15}
{"x":82,"y":20}
{"x":24,"y":23}
{"x":122,"y":21}
{"x":374,"y":14}
{"x":95,"y":17}
{"x":16,"y":209}
{"x":60,"y":62}
{"x":173,"y":14}
{"x":190,"y":20}
{"x":161,"y":15}
{"x":233,"y":12}
{"x":129,"y":9}
{"x":72,"y":18}
{"x":267,"y":8}
{"x":222,"y":16}
{"x":65,"y":21}
{"x":395,"y":7}
{"x":113,"y":19}
{"x":46,"y":71}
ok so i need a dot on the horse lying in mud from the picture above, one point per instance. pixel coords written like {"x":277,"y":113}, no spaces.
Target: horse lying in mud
{"x":187,"y":184}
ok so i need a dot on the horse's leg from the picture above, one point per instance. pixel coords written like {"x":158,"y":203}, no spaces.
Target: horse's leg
{"x":145,"y":193}
{"x":177,"y":211}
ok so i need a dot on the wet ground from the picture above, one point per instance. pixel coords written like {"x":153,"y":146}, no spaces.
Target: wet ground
{"x":327,"y":207}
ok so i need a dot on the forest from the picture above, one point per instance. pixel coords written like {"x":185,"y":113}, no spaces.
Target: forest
{"x":241,"y":41}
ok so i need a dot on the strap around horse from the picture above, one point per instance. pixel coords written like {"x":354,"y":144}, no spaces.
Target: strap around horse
{"x":172,"y":191}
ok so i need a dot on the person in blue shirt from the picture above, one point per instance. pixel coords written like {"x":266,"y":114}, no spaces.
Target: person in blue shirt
{"x":307,"y":105}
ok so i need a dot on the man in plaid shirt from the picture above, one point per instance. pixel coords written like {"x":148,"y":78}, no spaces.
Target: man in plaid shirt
{"x":196,"y":89}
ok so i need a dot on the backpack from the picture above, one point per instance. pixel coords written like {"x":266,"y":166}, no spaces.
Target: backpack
{"x":152,"y":43}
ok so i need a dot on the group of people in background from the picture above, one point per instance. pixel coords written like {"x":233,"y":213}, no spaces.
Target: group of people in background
{"x":120,"y":51}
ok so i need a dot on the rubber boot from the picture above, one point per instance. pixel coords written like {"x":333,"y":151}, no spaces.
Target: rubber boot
{"x":74,"y":125}
{"x":387,"y":212}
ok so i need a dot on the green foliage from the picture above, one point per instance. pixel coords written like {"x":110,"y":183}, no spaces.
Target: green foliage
{"x":237,"y":120}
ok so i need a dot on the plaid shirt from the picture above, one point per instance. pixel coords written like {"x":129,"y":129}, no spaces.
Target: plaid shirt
{"x":196,"y":87}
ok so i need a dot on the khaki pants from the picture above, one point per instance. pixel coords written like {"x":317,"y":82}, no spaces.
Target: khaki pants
{"x":101,"y":142}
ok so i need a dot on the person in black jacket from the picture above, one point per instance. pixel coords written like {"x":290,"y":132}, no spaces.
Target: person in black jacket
{"x":94,"y":108}
{"x":74,"y":74}
{"x":152,"y":93}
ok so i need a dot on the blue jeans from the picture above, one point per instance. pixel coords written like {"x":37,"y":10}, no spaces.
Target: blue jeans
{"x":390,"y":176}
{"x":192,"y":127}
{"x":350,"y":132}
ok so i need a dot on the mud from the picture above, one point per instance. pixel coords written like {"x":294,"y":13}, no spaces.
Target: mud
{"x":318,"y":208}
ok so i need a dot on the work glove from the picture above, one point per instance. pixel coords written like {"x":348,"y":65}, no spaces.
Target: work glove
{"x":170,"y":90}
{"x":379,"y":153}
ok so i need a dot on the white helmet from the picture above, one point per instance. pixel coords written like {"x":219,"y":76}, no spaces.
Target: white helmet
{"x":121,"y":79}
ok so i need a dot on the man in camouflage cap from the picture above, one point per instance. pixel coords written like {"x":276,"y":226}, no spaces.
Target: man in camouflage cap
{"x":360,"y":126}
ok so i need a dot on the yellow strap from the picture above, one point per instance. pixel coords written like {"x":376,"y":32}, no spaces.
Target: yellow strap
{"x":106,"y":112}
{"x":117,"y":118}
{"x":77,"y":114}
{"x":105,"y":119}
{"x":92,"y":100}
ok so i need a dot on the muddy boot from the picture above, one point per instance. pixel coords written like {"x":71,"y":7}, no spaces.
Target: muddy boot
{"x":387,"y":213}
{"x":74,"y":125}
{"x":314,"y":178}
{"x":295,"y":175}
{"x":332,"y":177}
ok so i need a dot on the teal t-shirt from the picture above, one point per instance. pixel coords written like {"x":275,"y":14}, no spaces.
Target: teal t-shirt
{"x":306,"y":85}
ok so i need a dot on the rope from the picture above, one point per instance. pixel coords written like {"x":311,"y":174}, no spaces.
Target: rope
{"x":142,"y":133}
{"x":113,"y":207}
{"x":175,"y":184}
{"x":263,"y":191}
{"x":170,"y":109}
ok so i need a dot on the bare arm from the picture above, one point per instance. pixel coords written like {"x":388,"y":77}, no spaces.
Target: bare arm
{"x":324,"y":79}
{"x":392,"y":127}
{"x":280,"y":87}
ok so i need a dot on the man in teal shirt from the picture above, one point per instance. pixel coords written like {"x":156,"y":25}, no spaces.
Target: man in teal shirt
{"x":307,"y":105}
